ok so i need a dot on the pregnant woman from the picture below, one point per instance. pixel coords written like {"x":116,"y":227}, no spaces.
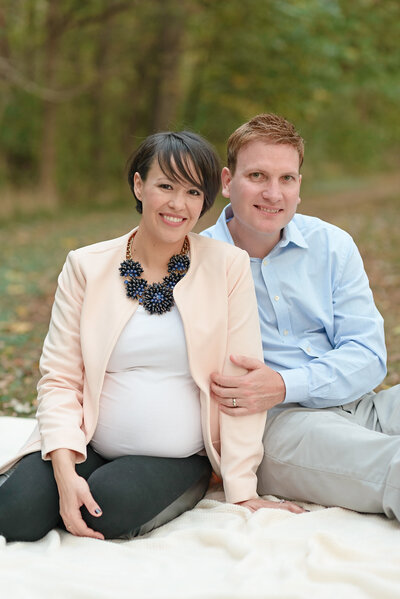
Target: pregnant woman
{"x":127,"y":436}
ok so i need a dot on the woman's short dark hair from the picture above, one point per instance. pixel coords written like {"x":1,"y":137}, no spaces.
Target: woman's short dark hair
{"x":176,"y":152}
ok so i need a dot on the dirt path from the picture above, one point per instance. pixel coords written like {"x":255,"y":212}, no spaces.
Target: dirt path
{"x":371,"y":189}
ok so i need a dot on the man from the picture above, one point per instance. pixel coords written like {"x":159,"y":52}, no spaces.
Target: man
{"x":329,"y":438}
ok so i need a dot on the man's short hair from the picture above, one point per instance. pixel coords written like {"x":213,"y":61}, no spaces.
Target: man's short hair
{"x":267,"y":127}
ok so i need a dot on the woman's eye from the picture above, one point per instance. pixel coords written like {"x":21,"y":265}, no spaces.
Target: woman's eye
{"x":194,"y":192}
{"x":165,"y":186}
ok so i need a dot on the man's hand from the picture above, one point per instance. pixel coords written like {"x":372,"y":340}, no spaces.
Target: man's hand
{"x":258,"y":390}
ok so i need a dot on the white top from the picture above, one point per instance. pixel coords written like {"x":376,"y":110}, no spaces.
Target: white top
{"x":149,"y":403}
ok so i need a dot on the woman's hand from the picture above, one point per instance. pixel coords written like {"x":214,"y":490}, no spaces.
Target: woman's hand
{"x":74,"y":492}
{"x":256,"y":504}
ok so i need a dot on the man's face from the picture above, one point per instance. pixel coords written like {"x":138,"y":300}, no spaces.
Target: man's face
{"x":264,"y":192}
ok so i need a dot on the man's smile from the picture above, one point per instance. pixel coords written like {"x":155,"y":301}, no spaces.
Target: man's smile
{"x":268,"y":210}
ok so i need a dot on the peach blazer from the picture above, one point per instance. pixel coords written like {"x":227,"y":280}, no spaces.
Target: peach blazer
{"x":217,"y":304}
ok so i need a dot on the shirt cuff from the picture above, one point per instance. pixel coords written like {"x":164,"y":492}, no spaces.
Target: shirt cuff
{"x":296,"y":383}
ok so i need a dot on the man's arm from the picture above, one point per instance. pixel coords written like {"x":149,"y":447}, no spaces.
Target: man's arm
{"x":355,"y":365}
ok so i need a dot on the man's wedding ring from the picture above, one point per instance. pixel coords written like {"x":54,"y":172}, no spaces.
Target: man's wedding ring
{"x":234,"y":402}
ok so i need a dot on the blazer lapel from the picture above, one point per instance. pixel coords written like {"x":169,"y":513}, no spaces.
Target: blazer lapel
{"x":106,"y":311}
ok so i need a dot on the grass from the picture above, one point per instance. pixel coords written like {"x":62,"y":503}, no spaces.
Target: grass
{"x":34,"y":250}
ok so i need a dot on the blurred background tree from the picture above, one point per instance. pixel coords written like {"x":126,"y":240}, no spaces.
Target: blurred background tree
{"x":81,"y":83}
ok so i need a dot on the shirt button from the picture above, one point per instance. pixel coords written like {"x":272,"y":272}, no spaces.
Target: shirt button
{"x":286,"y":332}
{"x":308,"y":349}
{"x":265,"y":262}
{"x":276,"y":298}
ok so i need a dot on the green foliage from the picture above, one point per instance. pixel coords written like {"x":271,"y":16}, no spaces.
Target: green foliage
{"x":82,"y":83}
{"x":19,"y":137}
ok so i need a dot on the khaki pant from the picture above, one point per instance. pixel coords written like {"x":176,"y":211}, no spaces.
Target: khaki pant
{"x":347,"y":456}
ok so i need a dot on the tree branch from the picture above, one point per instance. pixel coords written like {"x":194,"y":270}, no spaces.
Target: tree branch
{"x":68,"y":22}
{"x":13,"y":76}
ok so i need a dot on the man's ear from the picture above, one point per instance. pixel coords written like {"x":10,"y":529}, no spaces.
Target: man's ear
{"x":137,"y":185}
{"x":299,"y":200}
{"x":226,"y":179}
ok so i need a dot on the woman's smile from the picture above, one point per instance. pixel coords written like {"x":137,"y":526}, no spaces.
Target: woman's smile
{"x":172,"y":219}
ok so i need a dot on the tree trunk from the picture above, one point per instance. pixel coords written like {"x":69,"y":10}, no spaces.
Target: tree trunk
{"x":98,"y":105}
{"x":47,"y":168}
{"x":166,"y":84}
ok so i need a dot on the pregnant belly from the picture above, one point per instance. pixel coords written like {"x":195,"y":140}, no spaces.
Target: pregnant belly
{"x":138,"y":416}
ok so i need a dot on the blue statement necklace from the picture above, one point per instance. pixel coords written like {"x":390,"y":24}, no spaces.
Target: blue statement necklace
{"x":156,"y":298}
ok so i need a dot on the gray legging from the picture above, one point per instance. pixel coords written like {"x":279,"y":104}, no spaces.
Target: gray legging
{"x":136,"y":494}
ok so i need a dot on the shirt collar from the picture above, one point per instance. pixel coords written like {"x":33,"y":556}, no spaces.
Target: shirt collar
{"x":291,"y":233}
{"x":221,"y":225}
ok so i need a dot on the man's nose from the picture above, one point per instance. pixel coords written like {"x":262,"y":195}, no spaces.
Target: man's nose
{"x":272,"y":191}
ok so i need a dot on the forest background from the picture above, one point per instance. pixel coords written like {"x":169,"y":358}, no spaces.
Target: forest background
{"x":82,"y":83}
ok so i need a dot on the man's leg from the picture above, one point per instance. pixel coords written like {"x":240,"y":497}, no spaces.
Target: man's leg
{"x":387,"y":408}
{"x":334,"y":457}
{"x":139,"y":493}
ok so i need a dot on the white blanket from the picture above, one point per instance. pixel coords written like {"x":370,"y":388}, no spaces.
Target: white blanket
{"x":216,"y":551}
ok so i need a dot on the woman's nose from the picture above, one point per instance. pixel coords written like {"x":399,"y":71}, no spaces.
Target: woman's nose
{"x":177,"y":199}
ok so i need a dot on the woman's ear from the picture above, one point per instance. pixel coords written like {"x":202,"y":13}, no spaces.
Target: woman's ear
{"x":138,"y":186}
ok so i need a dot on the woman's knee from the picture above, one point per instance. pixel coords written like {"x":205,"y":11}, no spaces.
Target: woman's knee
{"x":28,"y":501}
{"x":19,"y":523}
{"x":139,"y":493}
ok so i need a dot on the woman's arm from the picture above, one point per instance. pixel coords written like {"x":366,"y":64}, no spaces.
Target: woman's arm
{"x":241,"y":437}
{"x":60,"y":390}
{"x":60,"y":411}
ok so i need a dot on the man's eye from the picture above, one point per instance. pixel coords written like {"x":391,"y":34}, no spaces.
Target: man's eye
{"x":255,"y":175}
{"x":288,"y":178}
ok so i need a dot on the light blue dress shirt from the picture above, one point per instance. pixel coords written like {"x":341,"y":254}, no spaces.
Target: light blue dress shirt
{"x":320,"y":327}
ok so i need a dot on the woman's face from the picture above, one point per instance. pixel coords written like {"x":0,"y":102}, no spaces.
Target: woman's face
{"x":170,"y":209}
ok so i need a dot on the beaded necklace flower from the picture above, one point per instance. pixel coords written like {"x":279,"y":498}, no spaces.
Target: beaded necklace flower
{"x":156,"y":298}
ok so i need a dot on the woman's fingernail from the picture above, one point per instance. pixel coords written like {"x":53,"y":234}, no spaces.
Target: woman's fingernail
{"x":97,"y":511}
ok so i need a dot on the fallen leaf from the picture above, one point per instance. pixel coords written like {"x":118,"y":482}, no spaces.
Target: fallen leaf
{"x":20,"y":327}
{"x":22,"y":311}
{"x":15,"y":289}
